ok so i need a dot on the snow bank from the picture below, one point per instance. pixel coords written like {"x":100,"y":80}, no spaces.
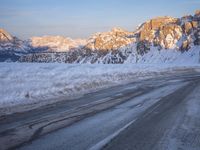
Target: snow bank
{"x":40,"y":84}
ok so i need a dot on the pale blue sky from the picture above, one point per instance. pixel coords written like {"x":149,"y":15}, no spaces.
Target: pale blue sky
{"x":81,"y":18}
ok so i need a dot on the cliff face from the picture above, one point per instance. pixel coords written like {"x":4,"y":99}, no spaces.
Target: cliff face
{"x":171,"y":33}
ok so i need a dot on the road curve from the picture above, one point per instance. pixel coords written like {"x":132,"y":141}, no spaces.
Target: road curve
{"x":139,"y":115}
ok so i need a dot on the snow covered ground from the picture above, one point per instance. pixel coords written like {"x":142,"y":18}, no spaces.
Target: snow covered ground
{"x":39,"y":84}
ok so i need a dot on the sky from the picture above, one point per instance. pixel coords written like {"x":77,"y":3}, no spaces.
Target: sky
{"x":81,"y":18}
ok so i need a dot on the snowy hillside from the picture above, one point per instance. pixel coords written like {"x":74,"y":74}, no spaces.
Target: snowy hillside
{"x":169,"y":56}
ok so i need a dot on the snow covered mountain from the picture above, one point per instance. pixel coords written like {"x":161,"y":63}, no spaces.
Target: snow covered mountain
{"x":5,"y":36}
{"x":56,"y":43}
{"x":11,"y":48}
{"x":162,"y":39}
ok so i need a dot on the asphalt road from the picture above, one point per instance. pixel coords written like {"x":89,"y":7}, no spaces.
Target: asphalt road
{"x":161,"y":113}
{"x":170,"y":124}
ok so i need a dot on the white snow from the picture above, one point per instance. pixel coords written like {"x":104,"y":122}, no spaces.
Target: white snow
{"x":169,"y":56}
{"x":40,"y":84}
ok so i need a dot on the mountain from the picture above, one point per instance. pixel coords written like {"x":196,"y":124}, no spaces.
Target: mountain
{"x":162,"y":39}
{"x":56,"y":43}
{"x":14,"y":49}
{"x":5,"y":37}
{"x":112,"y":40}
{"x":11,"y":48}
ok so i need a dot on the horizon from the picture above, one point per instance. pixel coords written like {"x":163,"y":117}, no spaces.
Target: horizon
{"x":80,"y":19}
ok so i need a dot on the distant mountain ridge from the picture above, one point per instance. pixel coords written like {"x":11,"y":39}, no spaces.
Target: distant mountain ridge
{"x":153,"y":40}
{"x":56,"y":43}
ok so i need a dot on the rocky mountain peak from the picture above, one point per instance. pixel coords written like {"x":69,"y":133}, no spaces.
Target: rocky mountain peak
{"x":197,"y":13}
{"x":149,"y":29}
{"x":158,"y":22}
{"x":118,"y":30}
{"x":169,"y":32}
{"x":5,"y":36}
{"x":108,"y":41}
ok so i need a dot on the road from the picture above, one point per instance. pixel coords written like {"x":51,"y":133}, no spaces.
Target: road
{"x":160,"y":113}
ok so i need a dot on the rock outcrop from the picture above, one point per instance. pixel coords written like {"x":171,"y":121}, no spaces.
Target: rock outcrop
{"x":167,"y":32}
{"x":149,"y":29}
